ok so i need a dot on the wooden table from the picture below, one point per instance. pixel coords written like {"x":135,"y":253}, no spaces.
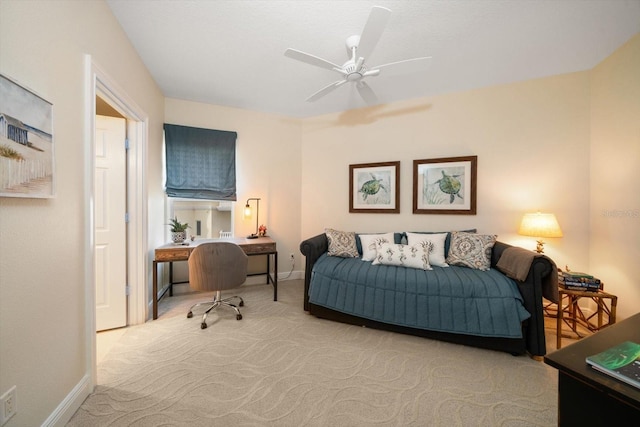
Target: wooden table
{"x":572,"y":315}
{"x":180,"y":252}
{"x":587,"y":397}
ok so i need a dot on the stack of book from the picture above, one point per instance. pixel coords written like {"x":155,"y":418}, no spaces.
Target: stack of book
{"x":579,"y":281}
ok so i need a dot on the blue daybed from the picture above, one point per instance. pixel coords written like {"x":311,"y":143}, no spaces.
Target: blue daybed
{"x":484,"y":309}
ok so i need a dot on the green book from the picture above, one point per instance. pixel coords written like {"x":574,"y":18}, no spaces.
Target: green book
{"x":577,"y":274}
{"x":621,"y":361}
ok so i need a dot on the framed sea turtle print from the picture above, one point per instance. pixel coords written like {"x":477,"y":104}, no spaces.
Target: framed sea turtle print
{"x":445,"y":185}
{"x":374,"y":187}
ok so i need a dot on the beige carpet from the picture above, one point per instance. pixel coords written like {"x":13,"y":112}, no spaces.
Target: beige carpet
{"x":279,"y":366}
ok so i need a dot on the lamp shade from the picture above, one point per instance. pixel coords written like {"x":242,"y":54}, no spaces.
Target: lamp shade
{"x":540,"y":225}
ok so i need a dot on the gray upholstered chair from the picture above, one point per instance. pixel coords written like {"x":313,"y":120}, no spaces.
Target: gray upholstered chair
{"x":217,"y":266}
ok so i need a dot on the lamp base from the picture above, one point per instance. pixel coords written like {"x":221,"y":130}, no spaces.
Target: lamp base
{"x":252,"y":236}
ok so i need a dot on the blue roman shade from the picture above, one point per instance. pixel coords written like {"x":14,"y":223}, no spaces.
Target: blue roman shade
{"x":201,"y":163}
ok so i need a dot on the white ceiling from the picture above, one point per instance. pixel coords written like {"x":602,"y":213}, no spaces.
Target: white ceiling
{"x":231,"y":53}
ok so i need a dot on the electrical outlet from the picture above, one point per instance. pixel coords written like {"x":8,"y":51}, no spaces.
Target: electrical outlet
{"x":291,"y":257}
{"x":9,"y":405}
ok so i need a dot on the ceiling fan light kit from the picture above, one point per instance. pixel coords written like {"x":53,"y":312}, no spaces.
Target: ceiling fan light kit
{"x":359,"y":47}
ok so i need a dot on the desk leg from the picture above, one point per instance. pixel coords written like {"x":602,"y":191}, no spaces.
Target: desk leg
{"x":155,"y":289}
{"x":171,"y":279}
{"x":275,"y":277}
{"x":268,"y":268}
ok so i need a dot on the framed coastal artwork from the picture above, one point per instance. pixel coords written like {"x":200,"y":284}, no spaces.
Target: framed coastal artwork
{"x":26,"y":142}
{"x":374,"y":187}
{"x":445,"y":186}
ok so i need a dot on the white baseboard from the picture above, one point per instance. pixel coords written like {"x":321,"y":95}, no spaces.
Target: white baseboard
{"x":70,"y":404}
{"x":282,"y":277}
{"x":295,"y":275}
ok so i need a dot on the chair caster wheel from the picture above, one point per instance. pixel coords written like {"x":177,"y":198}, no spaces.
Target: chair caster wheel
{"x":189,"y":315}
{"x":238,"y":316}
{"x":203,"y":325}
{"x":241,"y":304}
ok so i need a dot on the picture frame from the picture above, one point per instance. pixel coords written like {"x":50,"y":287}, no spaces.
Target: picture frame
{"x":27,"y":167}
{"x":445,"y":185}
{"x":374,"y":187}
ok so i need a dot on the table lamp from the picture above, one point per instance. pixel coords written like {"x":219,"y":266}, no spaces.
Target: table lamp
{"x":540,"y":225}
{"x":247,"y":214}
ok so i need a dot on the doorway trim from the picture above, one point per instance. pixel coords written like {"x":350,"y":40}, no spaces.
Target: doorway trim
{"x":98,"y":83}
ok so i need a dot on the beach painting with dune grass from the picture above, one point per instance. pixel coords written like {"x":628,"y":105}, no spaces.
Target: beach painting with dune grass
{"x":26,"y":142}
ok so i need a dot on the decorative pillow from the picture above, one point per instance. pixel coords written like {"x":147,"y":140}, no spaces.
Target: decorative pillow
{"x":436,"y":257}
{"x":397,"y":238}
{"x":447,"y":241}
{"x":369,"y":244}
{"x":341,"y":243}
{"x":471,"y":250}
{"x":416,"y":256}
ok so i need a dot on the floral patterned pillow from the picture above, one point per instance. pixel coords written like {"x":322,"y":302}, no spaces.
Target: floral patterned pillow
{"x":471,"y":250}
{"x":341,"y":243}
{"x":416,"y":256}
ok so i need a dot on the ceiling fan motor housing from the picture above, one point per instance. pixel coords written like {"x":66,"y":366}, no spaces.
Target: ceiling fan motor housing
{"x":352,"y":72}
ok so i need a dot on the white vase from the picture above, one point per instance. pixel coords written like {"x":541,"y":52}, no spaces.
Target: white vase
{"x":178,"y":236}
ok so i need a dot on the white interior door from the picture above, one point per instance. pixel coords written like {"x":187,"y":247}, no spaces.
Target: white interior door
{"x":110,"y":224}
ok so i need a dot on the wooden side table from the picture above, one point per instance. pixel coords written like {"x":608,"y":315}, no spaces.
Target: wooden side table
{"x":572,"y":315}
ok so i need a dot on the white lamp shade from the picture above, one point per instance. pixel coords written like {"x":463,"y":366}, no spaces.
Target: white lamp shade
{"x":540,"y":225}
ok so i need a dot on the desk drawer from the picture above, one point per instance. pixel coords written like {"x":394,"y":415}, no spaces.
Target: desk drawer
{"x":172,"y":255}
{"x":259,"y":248}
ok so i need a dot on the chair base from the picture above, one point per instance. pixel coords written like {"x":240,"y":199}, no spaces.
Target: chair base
{"x":216,"y":303}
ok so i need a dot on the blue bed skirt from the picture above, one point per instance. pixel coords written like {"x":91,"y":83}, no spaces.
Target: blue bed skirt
{"x":446,"y":299}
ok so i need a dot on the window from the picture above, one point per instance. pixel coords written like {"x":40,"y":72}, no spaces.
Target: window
{"x":200,"y":178}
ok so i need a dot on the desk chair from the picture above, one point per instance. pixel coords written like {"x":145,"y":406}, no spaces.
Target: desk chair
{"x":217,"y":266}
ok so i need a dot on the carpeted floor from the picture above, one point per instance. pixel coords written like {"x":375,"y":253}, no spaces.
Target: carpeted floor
{"x":279,"y":366}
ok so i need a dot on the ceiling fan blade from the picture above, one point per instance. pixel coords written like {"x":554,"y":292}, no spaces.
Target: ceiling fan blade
{"x":325,"y":90}
{"x":406,"y":66}
{"x":366,"y":93}
{"x":310,"y":59}
{"x":372,"y":30}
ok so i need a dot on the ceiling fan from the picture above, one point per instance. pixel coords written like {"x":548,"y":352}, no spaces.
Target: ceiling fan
{"x":355,"y":70}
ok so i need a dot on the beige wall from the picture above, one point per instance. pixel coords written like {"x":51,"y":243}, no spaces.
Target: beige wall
{"x":567,"y":144}
{"x":42,"y":241}
{"x":267,"y":166}
{"x":532,"y":143}
{"x":615,"y":174}
{"x":540,"y":145}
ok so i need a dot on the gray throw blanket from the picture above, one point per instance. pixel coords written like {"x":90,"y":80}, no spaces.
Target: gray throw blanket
{"x":515,"y":263}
